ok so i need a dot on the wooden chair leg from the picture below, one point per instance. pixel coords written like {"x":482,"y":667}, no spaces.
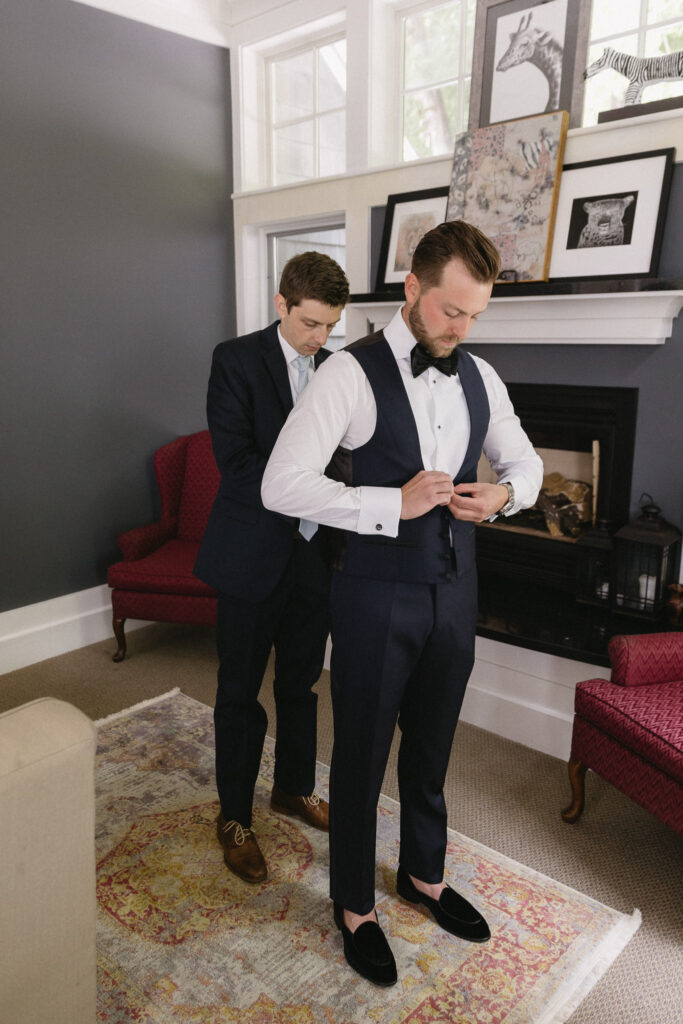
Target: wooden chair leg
{"x":577,"y":777}
{"x":120,"y":639}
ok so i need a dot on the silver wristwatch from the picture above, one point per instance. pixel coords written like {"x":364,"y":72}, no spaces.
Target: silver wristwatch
{"x":509,"y":504}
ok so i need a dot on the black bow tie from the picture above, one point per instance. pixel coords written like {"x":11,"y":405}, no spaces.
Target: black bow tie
{"x":420,"y":359}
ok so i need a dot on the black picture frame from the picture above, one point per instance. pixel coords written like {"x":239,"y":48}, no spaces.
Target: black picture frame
{"x":640,"y":183}
{"x":496,"y":21}
{"x":408,"y":216}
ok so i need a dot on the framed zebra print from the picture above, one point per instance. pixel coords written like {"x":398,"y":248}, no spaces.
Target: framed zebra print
{"x":610,"y":216}
{"x":529,"y":57}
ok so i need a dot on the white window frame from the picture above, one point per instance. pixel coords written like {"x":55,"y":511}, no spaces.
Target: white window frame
{"x":257,"y":307}
{"x":314,"y":44}
{"x":250,"y":86}
{"x":403,"y":10}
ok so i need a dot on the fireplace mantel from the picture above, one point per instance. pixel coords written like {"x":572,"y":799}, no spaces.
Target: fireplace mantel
{"x":595,"y":318}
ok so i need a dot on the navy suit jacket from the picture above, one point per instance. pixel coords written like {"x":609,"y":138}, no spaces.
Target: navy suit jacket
{"x":246,"y":548}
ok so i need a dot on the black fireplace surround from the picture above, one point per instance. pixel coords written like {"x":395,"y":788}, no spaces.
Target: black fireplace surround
{"x":528,"y":580}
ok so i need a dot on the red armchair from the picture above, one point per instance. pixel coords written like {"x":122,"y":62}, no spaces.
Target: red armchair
{"x":630,"y":729}
{"x":155,"y":580}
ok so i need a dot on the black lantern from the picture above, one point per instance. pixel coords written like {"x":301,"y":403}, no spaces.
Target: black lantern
{"x":646,"y":553}
{"x":594,"y":550}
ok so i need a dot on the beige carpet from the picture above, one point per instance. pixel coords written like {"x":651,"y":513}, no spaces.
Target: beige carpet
{"x":181,"y":939}
{"x":499,"y":793}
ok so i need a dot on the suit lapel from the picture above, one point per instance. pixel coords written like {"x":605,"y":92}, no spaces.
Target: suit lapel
{"x":276,"y":366}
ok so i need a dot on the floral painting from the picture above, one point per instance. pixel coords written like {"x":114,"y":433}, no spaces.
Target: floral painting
{"x":505,"y":180}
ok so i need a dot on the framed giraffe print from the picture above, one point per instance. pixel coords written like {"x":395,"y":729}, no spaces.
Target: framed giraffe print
{"x":529,"y":57}
{"x":610,"y":216}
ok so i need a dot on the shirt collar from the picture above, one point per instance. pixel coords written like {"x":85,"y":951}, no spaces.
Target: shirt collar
{"x":399,"y":336}
{"x":288,"y":351}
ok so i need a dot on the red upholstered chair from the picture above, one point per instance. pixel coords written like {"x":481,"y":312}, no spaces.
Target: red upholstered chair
{"x":155,"y":580}
{"x":630,"y":729}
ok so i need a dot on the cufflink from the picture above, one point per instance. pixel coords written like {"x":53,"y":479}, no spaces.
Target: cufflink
{"x":378,"y":526}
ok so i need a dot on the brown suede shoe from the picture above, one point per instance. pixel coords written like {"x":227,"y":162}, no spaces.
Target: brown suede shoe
{"x":311,"y":809}
{"x":241,"y":852}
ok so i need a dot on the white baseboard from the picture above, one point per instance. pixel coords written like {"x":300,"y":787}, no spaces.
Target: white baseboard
{"x":519,"y":694}
{"x":525,"y":695}
{"x":44,"y":630}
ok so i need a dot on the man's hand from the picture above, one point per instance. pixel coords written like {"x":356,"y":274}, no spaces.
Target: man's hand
{"x":426,"y":489}
{"x":476,"y":502}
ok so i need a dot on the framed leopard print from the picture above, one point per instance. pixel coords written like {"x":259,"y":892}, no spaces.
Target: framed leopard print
{"x":610,"y":216}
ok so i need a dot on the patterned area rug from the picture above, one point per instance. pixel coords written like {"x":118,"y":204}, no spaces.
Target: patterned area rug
{"x":182,"y":939}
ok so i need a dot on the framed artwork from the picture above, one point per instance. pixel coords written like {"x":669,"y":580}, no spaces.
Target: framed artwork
{"x":505,"y":181}
{"x":529,"y":57}
{"x":409,"y":216}
{"x":610,"y":216}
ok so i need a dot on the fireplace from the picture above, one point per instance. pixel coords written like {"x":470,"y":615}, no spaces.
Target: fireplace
{"x":529,"y":564}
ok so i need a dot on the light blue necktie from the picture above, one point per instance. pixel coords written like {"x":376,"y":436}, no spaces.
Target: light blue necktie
{"x":302,"y":364}
{"x":307,"y":529}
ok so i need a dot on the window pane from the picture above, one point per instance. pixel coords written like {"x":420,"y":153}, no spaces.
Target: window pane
{"x":607,"y":89}
{"x":664,"y":40}
{"x":332,"y":76}
{"x":658,"y":42}
{"x":432,"y":45}
{"x":292,"y":85}
{"x":660,"y":10}
{"x":430,"y":122}
{"x":332,"y":143}
{"x":610,"y":16}
{"x":293,"y":153}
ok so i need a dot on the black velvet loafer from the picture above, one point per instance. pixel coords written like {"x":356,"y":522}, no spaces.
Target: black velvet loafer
{"x":451,"y":911}
{"x":367,"y":950}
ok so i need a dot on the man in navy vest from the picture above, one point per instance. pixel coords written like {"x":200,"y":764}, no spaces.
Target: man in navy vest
{"x":404,"y":415}
{"x":271,"y":572}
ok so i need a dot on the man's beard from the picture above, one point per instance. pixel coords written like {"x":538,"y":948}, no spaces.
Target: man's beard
{"x":435,"y":346}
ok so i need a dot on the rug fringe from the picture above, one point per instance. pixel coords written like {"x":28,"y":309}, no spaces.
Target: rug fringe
{"x":137,"y":707}
{"x":560,"y":1008}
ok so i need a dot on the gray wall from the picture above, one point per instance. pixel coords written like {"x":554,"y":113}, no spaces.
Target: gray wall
{"x":117,"y":277}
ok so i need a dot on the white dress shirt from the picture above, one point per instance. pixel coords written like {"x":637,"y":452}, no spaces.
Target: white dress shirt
{"x":338,"y":408}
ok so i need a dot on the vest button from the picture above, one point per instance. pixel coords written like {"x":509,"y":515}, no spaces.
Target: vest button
{"x":449,"y":576}
{"x":378,"y":526}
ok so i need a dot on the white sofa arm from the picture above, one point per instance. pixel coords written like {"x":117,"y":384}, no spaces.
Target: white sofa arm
{"x":47,"y":865}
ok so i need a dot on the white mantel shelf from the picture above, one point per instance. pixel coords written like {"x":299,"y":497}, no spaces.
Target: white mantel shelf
{"x":610,"y":318}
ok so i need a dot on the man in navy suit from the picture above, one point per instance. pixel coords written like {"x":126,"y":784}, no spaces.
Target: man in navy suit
{"x":271,"y":571}
{"x":385,"y":446}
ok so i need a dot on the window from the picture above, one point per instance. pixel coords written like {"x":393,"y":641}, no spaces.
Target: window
{"x":436,"y":59}
{"x":646,"y":28}
{"x":282,"y":245}
{"x":307,"y":105}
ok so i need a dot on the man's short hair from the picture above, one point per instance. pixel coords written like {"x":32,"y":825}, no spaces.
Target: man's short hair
{"x":313,"y":275}
{"x":455,"y":239}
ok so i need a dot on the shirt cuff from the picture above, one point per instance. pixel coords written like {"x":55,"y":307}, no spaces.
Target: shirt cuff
{"x":380,"y":510}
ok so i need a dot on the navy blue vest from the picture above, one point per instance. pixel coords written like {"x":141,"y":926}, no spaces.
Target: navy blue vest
{"x":422,"y":551}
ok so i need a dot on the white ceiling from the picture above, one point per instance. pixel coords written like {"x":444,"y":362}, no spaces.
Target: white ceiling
{"x":210,"y":21}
